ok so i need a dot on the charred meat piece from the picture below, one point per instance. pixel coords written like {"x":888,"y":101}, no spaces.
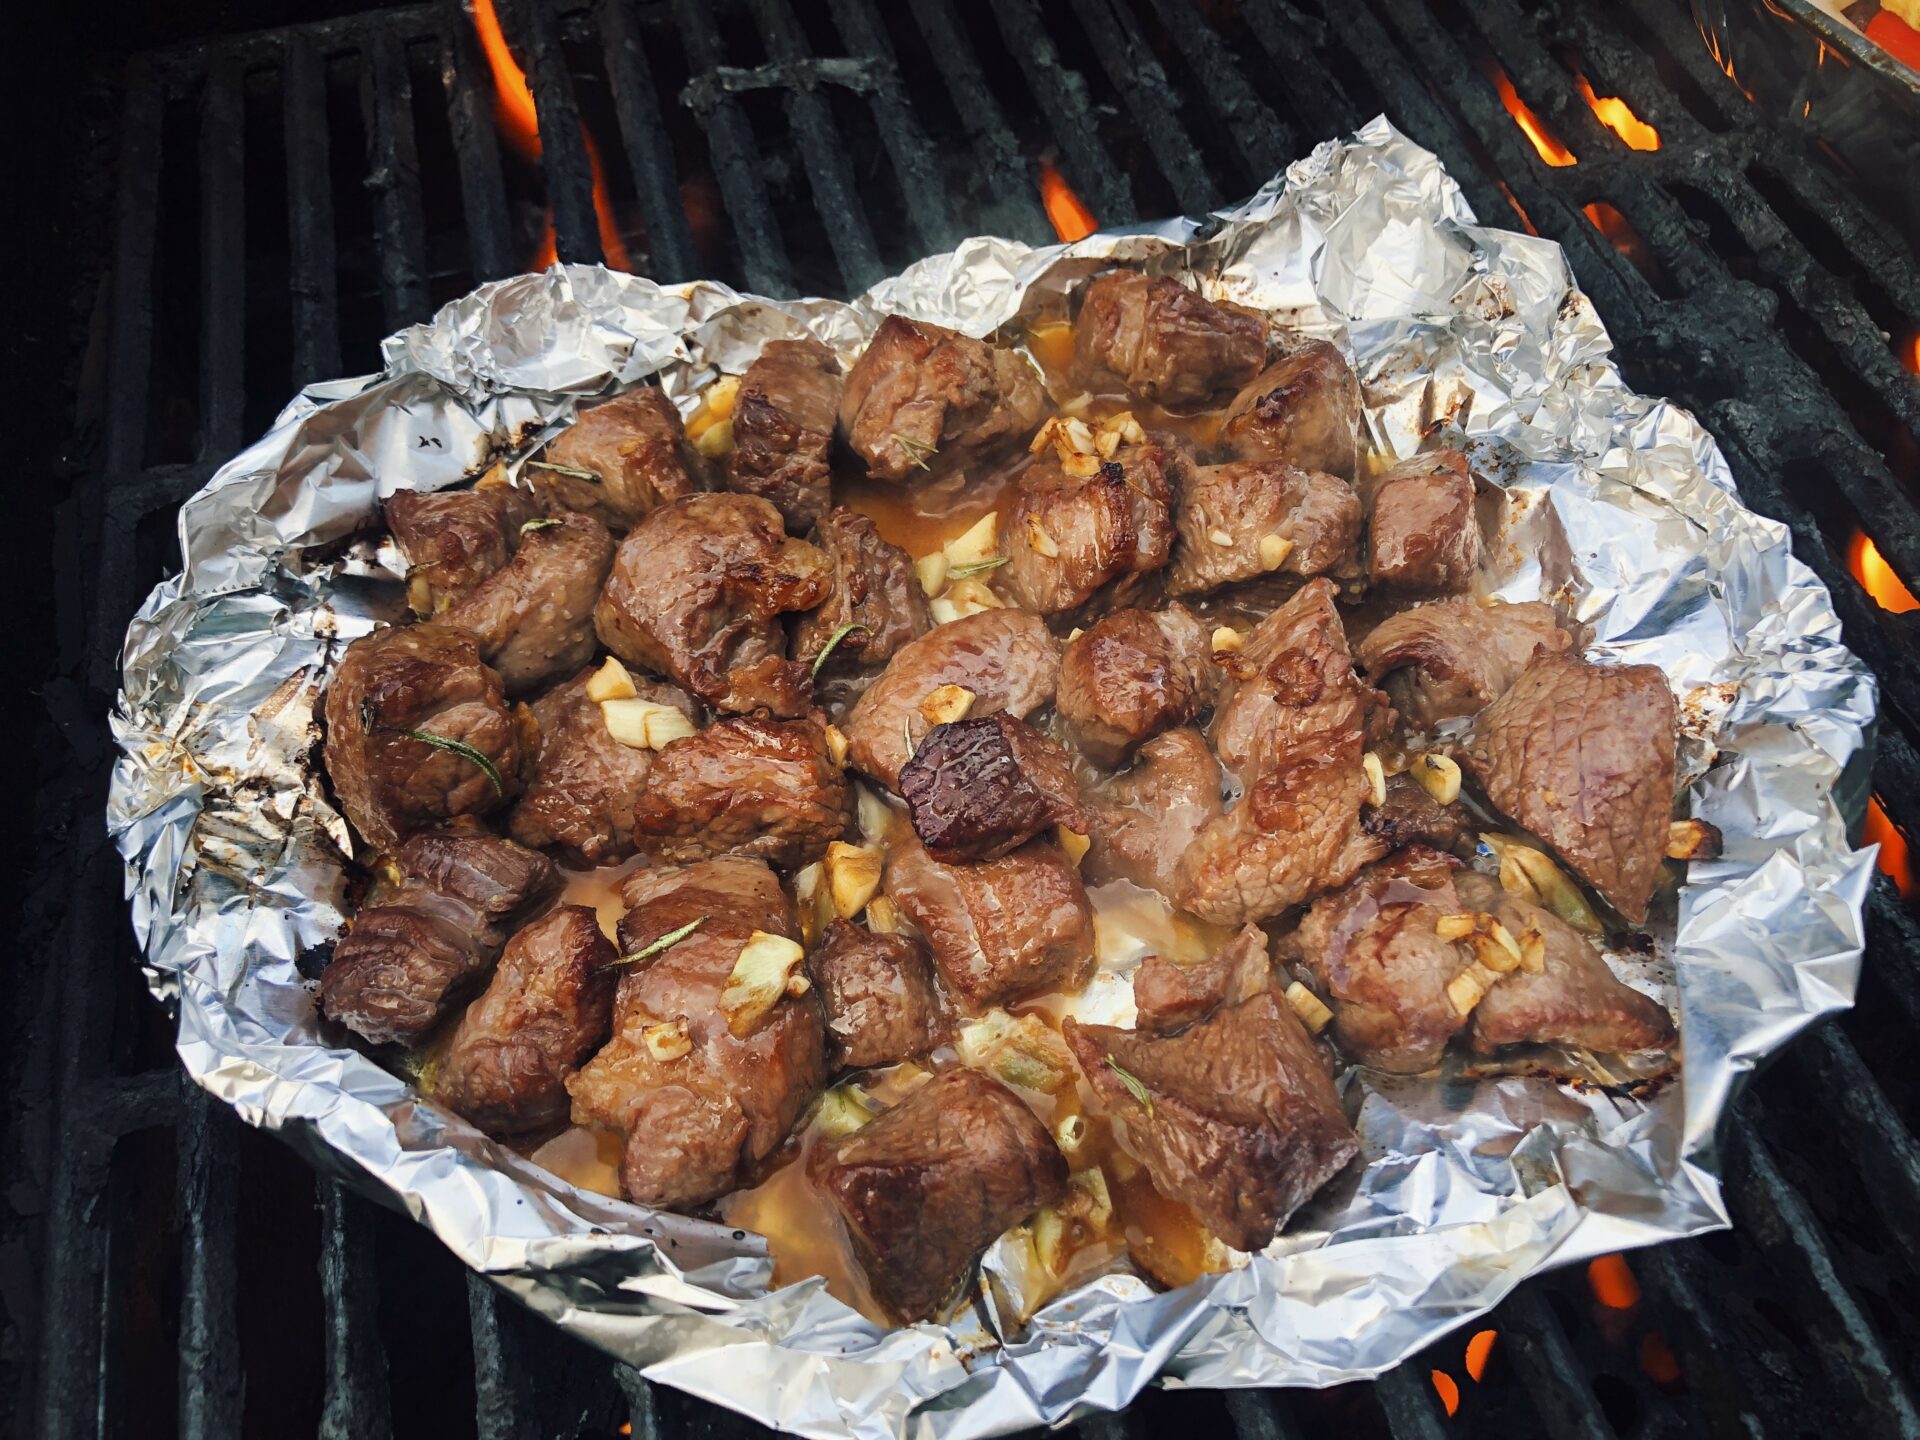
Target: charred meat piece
{"x":924,"y":401}
{"x":1303,"y":409}
{"x":874,"y":592}
{"x":999,"y":929}
{"x":1583,"y":756}
{"x":1072,"y":537}
{"x":534,"y":619}
{"x":455,"y":539}
{"x":1422,"y":538}
{"x":882,"y":1002}
{"x":1292,"y":729}
{"x":1007,"y":659}
{"x":1258,"y":517}
{"x":1141,"y":821}
{"x":1160,"y":341}
{"x":419,"y":950}
{"x":586,"y":782}
{"x":394,"y":686}
{"x":700,"y":1106}
{"x":1240,"y":1122}
{"x":548,"y":1007}
{"x":619,"y":459}
{"x":1455,"y":657}
{"x":783,"y":420}
{"x":696,"y":594}
{"x":1170,"y":997}
{"x":934,"y":1181}
{"x":744,"y":786}
{"x":1411,"y":816}
{"x":1134,"y":674}
{"x":981,"y":787}
{"x":1575,"y":1000}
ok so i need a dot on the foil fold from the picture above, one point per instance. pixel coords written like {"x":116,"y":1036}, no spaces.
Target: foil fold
{"x":1620,"y":505}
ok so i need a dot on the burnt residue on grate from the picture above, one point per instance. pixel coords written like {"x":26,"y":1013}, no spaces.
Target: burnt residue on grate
{"x":272,"y":204}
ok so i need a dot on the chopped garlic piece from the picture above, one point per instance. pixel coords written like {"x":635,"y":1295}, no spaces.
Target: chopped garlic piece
{"x":837,"y":745}
{"x":943,"y":610}
{"x":1466,"y":990}
{"x":876,"y":815}
{"x":1227,"y":640}
{"x":810,"y":901}
{"x":883,"y":916}
{"x":1106,"y":443}
{"x":718,"y":398}
{"x":1545,"y":879}
{"x":1309,"y":1007}
{"x":980,"y":542}
{"x":853,"y":877}
{"x":716,"y":441}
{"x":1222,"y":538}
{"x":1081,"y":467}
{"x":667,"y":1040}
{"x":1038,"y":538}
{"x":1438,"y":776}
{"x":1692,"y":840}
{"x":1022,"y":1050}
{"x":1074,"y":843}
{"x":1070,"y":1134}
{"x":759,"y":979}
{"x":843,"y":1110}
{"x":1376,"y":778}
{"x":1274,"y":550}
{"x":611,"y":682}
{"x":1126,"y":427}
{"x":419,"y":594}
{"x":931,"y":572}
{"x":945,"y":704}
{"x":1077,"y":436}
{"x":1533,"y":950}
{"x":644,"y":725}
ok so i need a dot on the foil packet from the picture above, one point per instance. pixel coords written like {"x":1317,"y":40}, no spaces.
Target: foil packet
{"x":1620,"y":506}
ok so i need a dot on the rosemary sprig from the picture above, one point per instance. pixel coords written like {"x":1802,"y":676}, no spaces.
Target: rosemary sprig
{"x":1135,"y":1086}
{"x":906,"y":733}
{"x":918,"y":449}
{"x":369,"y":715}
{"x":977,"y":567}
{"x":464,"y":751}
{"x":562,"y":469}
{"x":665,"y":943}
{"x":833,"y":640}
{"x":538,"y":524}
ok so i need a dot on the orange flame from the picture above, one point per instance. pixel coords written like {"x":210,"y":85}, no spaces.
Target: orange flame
{"x":1448,"y":1391}
{"x":1618,"y":117}
{"x":1544,"y":140}
{"x":1871,"y":569}
{"x":1657,"y":1362}
{"x":1071,"y":218}
{"x":1613,"y":1283}
{"x":1909,"y":352}
{"x":1896,"y":863}
{"x":1479,"y":1351}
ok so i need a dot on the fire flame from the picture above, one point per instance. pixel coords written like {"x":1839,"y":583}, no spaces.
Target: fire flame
{"x":1909,"y":352}
{"x":1873,"y":572}
{"x":1479,"y":1351}
{"x":1544,"y":140}
{"x":1896,"y":862}
{"x":1071,"y":218}
{"x":1657,"y":1362}
{"x":1613,"y":1283}
{"x":1618,"y":117}
{"x":1448,"y":1390}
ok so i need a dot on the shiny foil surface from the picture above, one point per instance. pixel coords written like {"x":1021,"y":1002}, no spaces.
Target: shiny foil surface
{"x":1619,"y":506}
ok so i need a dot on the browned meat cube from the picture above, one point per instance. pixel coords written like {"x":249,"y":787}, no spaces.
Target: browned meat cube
{"x":391,"y":688}
{"x":1260,"y":517}
{"x":701,"y":1107}
{"x":1070,"y":538}
{"x":419,"y":950}
{"x":454,"y":539}
{"x":999,"y":929}
{"x":1160,"y":341}
{"x":924,"y":401}
{"x":1455,"y":657}
{"x":1411,"y":816}
{"x":1170,"y":997}
{"x":1576,"y":1000}
{"x":1422,"y":538}
{"x":882,"y":1002}
{"x":1006,"y":658}
{"x":1292,"y":730}
{"x":874,"y":591}
{"x":1583,"y":756}
{"x":586,"y":782}
{"x":783,"y":421}
{"x":697,"y":592}
{"x":1141,"y":821}
{"x":934,"y":1181}
{"x":744,"y":786}
{"x":618,"y":460}
{"x":981,"y":787}
{"x":534,"y":618}
{"x":1134,"y":674}
{"x":548,"y":1007}
{"x":1241,"y":1121}
{"x":1303,"y":409}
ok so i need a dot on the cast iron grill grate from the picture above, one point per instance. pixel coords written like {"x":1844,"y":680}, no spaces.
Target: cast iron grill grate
{"x":282,"y":200}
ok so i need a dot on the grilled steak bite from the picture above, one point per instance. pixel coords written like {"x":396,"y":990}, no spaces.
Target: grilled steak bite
{"x":534,"y":618}
{"x":586,"y":782}
{"x":1258,"y":517}
{"x":1455,"y":657}
{"x":1170,"y":997}
{"x":1243,"y":1124}
{"x":428,"y":680}
{"x":1134,"y":674}
{"x":1006,"y":659}
{"x":422,"y":948}
{"x":627,"y":455}
{"x":783,"y":421}
{"x":1303,"y":409}
{"x":548,"y":1007}
{"x":1160,"y":341}
{"x":1292,"y":730}
{"x":1583,"y":756}
{"x":930,"y":1184}
{"x":1575,"y":1000}
{"x":744,"y":786}
{"x":1071,"y":537}
{"x":923,"y":401}
{"x":874,"y":591}
{"x":882,"y":1003}
{"x":999,"y":929}
{"x":981,"y":787}
{"x":700,"y":1105}
{"x":696,"y":594}
{"x":1411,"y":816}
{"x":1141,"y":821}
{"x":454,"y":539}
{"x":1422,"y":538}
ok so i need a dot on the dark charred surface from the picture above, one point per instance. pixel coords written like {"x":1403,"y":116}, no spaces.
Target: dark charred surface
{"x":981,"y":787}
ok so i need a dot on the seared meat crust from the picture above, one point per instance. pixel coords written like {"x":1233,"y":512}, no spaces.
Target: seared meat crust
{"x":534,"y":618}
{"x":783,"y":418}
{"x":1160,"y":341}
{"x":1455,"y":657}
{"x":882,"y":1002}
{"x":1072,"y":539}
{"x":874,"y":591}
{"x":1422,"y":538}
{"x":1134,"y":674}
{"x":1251,"y":503}
{"x":1169,"y":997}
{"x":1303,"y":409}
{"x":628,"y":456}
{"x":454,"y":539}
{"x":1141,"y":821}
{"x":981,"y":787}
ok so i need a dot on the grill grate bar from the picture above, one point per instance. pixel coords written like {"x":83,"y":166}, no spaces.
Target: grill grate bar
{"x":386,"y":97}
{"x":1130,"y":63}
{"x":1411,"y":1408}
{"x":223,"y":265}
{"x":211,"y":1388}
{"x":671,"y":253}
{"x":1556,"y":1381}
{"x":564,"y":156}
{"x":313,"y":287}
{"x":137,"y":205}
{"x":476,"y":145}
{"x":1265,"y":144}
{"x":502,"y":1405}
{"x":1261,"y":1415}
{"x":1293,"y":41}
{"x":356,"y":1367}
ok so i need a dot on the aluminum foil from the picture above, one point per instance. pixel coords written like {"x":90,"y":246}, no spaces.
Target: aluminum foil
{"x":1619,"y":505}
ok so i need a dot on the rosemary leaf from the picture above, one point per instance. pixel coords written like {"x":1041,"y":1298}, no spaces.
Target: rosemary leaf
{"x":665,"y":943}
{"x":918,"y":449}
{"x":1135,"y":1086}
{"x":827,"y":649}
{"x":977,"y":567}
{"x":538,"y":524}
{"x":563,"y":470}
{"x":464,"y":751}
{"x":369,"y":715}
